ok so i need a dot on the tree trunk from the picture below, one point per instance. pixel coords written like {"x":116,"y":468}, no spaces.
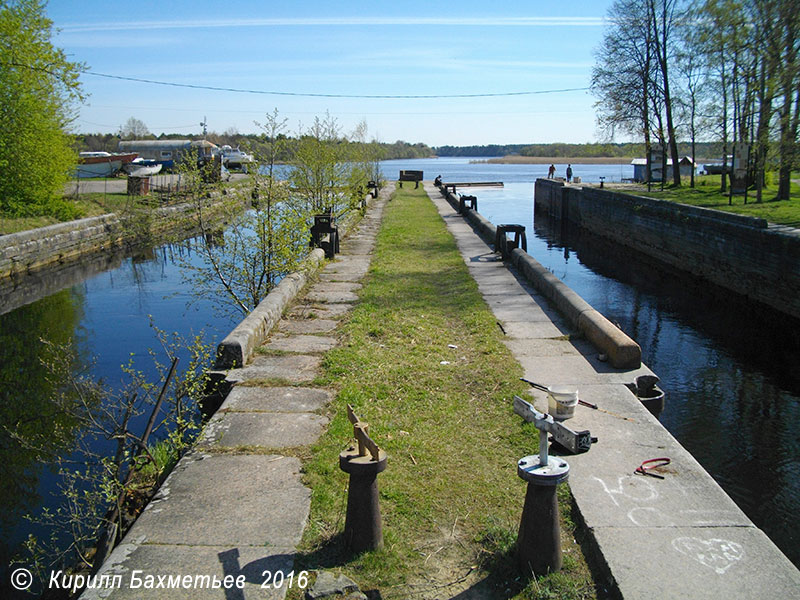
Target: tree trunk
{"x":762,"y":135}
{"x":724,"y":181}
{"x":788,"y":140}
{"x":789,"y":82}
{"x":662,"y":57}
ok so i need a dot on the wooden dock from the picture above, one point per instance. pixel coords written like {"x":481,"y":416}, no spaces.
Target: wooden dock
{"x":474,"y":184}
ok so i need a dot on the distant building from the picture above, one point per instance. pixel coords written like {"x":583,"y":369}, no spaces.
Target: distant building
{"x":640,"y":169}
{"x":170,"y":152}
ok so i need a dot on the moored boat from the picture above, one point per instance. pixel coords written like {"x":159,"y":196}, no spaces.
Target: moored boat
{"x":101,"y":164}
{"x":234,"y":158}
{"x":140,"y":167}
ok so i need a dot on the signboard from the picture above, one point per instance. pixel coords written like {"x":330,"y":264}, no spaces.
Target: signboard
{"x":741,"y":152}
{"x":656,"y":163}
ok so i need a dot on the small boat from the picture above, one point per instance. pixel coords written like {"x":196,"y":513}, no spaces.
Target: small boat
{"x":101,"y":164}
{"x":141,"y":167}
{"x":234,"y":158}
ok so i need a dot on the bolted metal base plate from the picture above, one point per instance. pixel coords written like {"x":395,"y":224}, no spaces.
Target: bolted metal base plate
{"x":351,"y":462}
{"x":554,"y":472}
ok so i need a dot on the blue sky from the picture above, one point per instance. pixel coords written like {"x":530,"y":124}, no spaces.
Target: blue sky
{"x":340,"y":48}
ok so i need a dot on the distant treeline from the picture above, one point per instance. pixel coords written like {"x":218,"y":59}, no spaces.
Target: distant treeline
{"x":253,"y":143}
{"x":557,"y":150}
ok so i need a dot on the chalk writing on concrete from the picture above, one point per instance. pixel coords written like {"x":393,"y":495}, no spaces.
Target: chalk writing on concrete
{"x":717,"y":554}
{"x":637,"y":496}
{"x":629,"y":489}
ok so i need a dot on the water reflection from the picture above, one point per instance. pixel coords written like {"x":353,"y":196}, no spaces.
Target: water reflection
{"x":33,"y":431}
{"x":103,"y":310}
{"x":23,"y":289}
{"x":728,"y":367}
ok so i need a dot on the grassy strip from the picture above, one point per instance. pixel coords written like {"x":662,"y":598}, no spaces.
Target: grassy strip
{"x":706,"y":193}
{"x":91,"y":204}
{"x":450,"y":497}
{"x":87,"y":205}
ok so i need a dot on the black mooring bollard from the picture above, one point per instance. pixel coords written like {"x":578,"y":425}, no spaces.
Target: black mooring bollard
{"x":362,"y":529}
{"x":503,"y":245}
{"x":539,"y":539}
{"x":462,"y":203}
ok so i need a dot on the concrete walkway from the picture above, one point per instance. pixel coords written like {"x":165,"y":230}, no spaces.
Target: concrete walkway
{"x":680,"y":537}
{"x":236,"y":506}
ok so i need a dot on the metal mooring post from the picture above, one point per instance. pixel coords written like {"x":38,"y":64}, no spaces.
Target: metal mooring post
{"x":362,"y":529}
{"x":503,"y":245}
{"x":325,"y":233}
{"x":539,"y":539}
{"x":462,"y":203}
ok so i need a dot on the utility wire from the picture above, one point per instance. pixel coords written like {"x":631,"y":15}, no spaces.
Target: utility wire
{"x":313,"y":95}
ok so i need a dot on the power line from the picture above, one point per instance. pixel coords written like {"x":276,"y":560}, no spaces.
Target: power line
{"x":313,"y":95}
{"x":154,"y":126}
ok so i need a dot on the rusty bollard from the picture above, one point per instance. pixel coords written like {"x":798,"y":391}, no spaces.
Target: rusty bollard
{"x":362,"y":529}
{"x":539,"y":539}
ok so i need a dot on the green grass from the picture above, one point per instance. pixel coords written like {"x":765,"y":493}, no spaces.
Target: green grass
{"x":450,"y":498}
{"x":87,"y":205}
{"x":706,"y":193}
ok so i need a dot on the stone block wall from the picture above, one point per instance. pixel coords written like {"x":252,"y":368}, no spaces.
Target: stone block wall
{"x":743,"y":254}
{"x":29,"y":251}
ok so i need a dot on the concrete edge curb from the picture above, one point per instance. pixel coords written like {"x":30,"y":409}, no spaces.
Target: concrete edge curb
{"x":622,"y":351}
{"x":238,"y":346}
{"x":65,"y":242}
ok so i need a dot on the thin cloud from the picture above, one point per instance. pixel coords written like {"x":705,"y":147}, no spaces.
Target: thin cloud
{"x":340,"y":22}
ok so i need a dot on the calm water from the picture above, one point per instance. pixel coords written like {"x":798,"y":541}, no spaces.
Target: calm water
{"x":731,"y":377}
{"x":106,"y":314}
{"x":729,"y":368}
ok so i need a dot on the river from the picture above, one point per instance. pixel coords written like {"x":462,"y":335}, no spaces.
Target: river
{"x":733,"y":393}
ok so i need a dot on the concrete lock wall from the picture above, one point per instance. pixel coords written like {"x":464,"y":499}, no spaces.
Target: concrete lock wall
{"x":29,"y":251}
{"x":239,"y":345}
{"x":743,"y":254}
{"x":621,"y":350}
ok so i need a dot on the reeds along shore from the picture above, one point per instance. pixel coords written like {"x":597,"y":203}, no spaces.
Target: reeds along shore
{"x":559,"y":160}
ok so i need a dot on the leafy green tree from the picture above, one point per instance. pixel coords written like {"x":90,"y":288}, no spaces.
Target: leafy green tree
{"x":264,"y":239}
{"x":39,"y":89}
{"x":325,"y":171}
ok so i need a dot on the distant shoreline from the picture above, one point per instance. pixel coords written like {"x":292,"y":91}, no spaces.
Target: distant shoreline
{"x":557,"y":160}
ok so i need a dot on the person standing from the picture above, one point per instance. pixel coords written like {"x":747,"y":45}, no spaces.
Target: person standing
{"x":569,"y":173}
{"x":551,"y":171}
